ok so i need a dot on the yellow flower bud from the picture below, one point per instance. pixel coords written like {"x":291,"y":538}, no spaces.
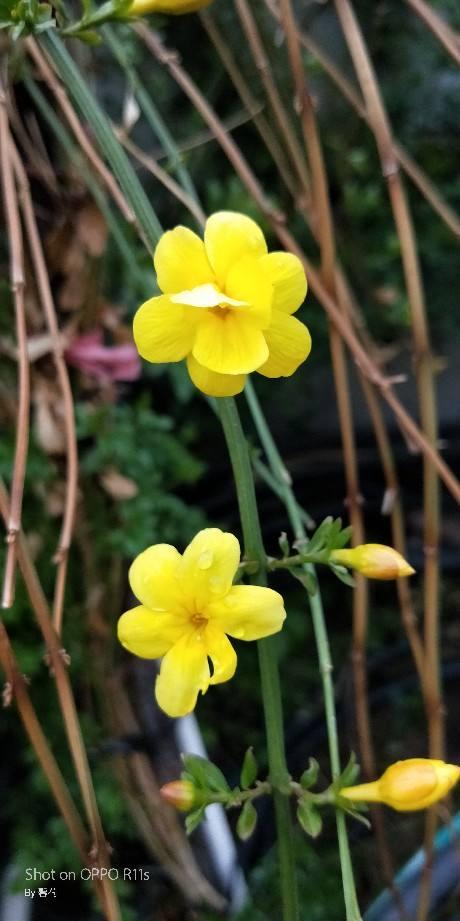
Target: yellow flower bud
{"x":376,"y":561}
{"x":180,"y":794}
{"x":408,"y":785}
{"x":175,"y":7}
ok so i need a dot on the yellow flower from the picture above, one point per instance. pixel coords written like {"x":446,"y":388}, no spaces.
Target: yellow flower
{"x":408,"y":785}
{"x":176,"y":7}
{"x":187,"y":606}
{"x":226,"y":306}
{"x":376,"y":561}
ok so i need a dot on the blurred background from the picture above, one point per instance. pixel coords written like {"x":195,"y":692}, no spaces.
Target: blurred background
{"x":153,"y":465}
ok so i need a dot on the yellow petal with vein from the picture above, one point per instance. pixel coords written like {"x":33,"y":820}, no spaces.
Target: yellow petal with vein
{"x":248,"y":612}
{"x":184,"y":673}
{"x":228,"y":236}
{"x":229,"y":343}
{"x":153,"y":577}
{"x":180,"y":261}
{"x":163,"y":331}
{"x":208,"y":567}
{"x":148,"y":634}
{"x":213,"y":384}
{"x":289,"y":344}
{"x":287,"y":275}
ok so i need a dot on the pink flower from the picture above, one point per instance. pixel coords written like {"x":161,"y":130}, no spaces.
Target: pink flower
{"x":105,"y":362}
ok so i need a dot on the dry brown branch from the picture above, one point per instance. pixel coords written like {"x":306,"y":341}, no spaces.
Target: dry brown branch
{"x":325,"y":229}
{"x":13,"y":223}
{"x":276,"y":219}
{"x":57,"y":661}
{"x":250,"y":102}
{"x":156,"y":170}
{"x":262,"y":64}
{"x":18,"y":690}
{"x":440,"y":28}
{"x":59,"y":93}
{"x":46,"y":298}
{"x":424,"y":184}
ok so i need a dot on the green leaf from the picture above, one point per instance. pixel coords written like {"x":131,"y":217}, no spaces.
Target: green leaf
{"x":310,"y":776}
{"x":309,"y":818}
{"x":350,"y":773}
{"x":307,"y":579}
{"x":249,"y":769}
{"x":319,"y":539}
{"x":247,"y":821}
{"x":193,"y":820}
{"x":205,"y":774}
{"x":343,"y":575}
{"x":343,"y":538}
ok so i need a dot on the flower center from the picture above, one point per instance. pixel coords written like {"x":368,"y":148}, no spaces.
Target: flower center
{"x":198,"y":620}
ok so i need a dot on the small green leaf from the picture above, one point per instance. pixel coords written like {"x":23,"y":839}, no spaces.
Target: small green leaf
{"x":284,"y":544}
{"x":342,"y":538}
{"x":193,"y":820}
{"x":343,"y":574}
{"x":205,"y":774}
{"x":319,"y":539}
{"x":249,"y":769}
{"x":247,"y":821}
{"x":307,"y":579}
{"x":309,"y":818}
{"x":350,"y":773}
{"x":310,"y":776}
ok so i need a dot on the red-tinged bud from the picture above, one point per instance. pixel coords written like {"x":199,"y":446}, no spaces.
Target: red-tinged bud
{"x":179,"y":793}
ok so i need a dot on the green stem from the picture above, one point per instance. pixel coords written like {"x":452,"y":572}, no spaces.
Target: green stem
{"x":269,"y":673}
{"x":322,"y":643}
{"x":108,"y":143}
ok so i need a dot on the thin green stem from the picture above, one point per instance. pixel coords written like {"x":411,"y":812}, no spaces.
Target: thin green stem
{"x":269,"y":673}
{"x":84,"y":100}
{"x":322,"y":643}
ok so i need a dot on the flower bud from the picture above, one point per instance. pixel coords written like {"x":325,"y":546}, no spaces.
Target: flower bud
{"x":175,"y":7}
{"x":179,"y":793}
{"x":407,"y":785}
{"x":376,"y":561}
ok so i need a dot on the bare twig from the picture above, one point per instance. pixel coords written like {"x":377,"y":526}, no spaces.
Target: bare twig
{"x":262,"y":63}
{"x":74,"y":123}
{"x":46,"y":297}
{"x":418,"y":176}
{"x":440,"y":28}
{"x":13,"y":222}
{"x":100,"y":849}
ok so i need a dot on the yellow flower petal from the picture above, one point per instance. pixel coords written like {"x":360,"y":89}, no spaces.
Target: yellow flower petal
{"x":153,"y":577}
{"x":247,"y":280}
{"x":184,"y":673}
{"x":248,"y":612}
{"x":213,"y":384}
{"x":164,"y":331}
{"x":208,"y":567}
{"x":289,"y":344}
{"x":228,"y":236}
{"x":180,"y":261}
{"x":222,"y":654}
{"x":148,"y":634}
{"x":228,"y":343}
{"x":287,"y":275}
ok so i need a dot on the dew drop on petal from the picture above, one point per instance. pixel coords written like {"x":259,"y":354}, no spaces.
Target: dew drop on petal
{"x":205,"y":559}
{"x":216,"y":584}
